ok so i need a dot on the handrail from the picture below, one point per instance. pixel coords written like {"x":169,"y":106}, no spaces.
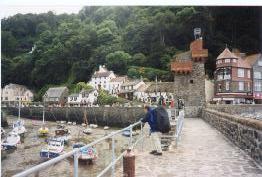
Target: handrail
{"x":179,"y":124}
{"x":75,"y":152}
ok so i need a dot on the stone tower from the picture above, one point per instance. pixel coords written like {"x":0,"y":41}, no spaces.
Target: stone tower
{"x":189,"y":77}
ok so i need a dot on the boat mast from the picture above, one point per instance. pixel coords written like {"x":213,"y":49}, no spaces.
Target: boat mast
{"x":44,"y":113}
{"x":19,"y":105}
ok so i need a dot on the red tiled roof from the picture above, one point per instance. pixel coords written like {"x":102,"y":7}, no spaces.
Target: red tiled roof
{"x":226,"y":54}
{"x":242,"y":63}
{"x":181,"y":66}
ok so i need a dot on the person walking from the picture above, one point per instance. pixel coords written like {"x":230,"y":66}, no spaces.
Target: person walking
{"x":155,"y":134}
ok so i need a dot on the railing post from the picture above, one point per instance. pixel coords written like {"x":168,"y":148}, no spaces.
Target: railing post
{"x":131,"y":136}
{"x":113,"y":155}
{"x":76,"y":164}
{"x":142,"y":134}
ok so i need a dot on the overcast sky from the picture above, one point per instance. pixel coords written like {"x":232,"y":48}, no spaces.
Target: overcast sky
{"x":12,"y":7}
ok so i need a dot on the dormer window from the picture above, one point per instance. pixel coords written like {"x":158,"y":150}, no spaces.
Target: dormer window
{"x":234,"y":60}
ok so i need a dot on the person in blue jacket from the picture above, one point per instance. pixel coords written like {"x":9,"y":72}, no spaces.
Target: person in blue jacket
{"x":155,"y":134}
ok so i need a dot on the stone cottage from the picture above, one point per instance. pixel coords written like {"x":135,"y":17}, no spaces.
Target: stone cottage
{"x":13,"y":92}
{"x":56,"y":96}
{"x":85,"y":97}
{"x":189,"y":77}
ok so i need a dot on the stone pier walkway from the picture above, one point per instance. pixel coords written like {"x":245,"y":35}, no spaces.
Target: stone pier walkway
{"x":202,"y":152}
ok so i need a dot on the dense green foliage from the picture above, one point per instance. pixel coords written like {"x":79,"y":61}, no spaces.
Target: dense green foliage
{"x":130,"y":40}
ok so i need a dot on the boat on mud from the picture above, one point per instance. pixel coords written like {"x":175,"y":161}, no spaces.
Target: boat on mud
{"x":19,"y":128}
{"x":43,"y":130}
{"x":88,"y":154}
{"x":127,"y":133}
{"x":11,"y":141}
{"x":54,"y":149}
{"x":88,"y":131}
{"x":62,"y":133}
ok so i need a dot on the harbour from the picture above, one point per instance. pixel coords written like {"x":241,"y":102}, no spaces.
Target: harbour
{"x":27,"y":153}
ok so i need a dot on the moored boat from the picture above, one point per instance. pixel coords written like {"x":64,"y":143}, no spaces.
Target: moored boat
{"x":93,"y":125}
{"x":87,"y":131}
{"x":11,"y":141}
{"x":127,"y":133}
{"x":43,"y":130}
{"x":19,"y":128}
{"x":86,"y":153}
{"x":54,"y":149}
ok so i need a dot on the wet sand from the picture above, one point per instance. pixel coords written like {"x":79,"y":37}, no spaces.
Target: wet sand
{"x":27,"y":153}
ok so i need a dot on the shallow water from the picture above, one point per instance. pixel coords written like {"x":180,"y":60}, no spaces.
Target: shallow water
{"x":27,"y":153}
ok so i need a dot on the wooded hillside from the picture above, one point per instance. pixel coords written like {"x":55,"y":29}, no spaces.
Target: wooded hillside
{"x":68,"y":48}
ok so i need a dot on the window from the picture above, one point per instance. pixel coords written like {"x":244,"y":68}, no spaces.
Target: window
{"x":219,"y":87}
{"x":248,"y":86}
{"x":6,"y":98}
{"x":234,"y":60}
{"x":258,"y":86}
{"x":259,"y":62}
{"x":240,"y":86}
{"x":248,"y":73}
{"x":227,"y":85}
{"x":191,"y":81}
{"x":227,"y":60}
{"x":257,"y":75}
{"x":240,"y":72}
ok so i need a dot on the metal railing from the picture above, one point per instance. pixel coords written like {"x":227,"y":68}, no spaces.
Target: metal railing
{"x":179,"y":125}
{"x":75,"y":153}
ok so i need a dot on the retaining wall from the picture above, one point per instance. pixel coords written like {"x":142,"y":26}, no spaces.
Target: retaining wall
{"x":246,"y":133}
{"x":111,"y":116}
{"x":236,"y":109}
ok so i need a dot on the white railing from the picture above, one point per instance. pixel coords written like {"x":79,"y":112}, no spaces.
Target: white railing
{"x":36,"y":169}
{"x":179,"y":125}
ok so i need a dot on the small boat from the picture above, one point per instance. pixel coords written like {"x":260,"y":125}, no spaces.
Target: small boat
{"x":127,"y":133}
{"x":93,"y":126}
{"x":87,"y":131}
{"x":63,"y":122}
{"x":83,"y":124}
{"x":61,"y":130}
{"x":54,"y":149}
{"x":18,"y":127}
{"x":74,"y":123}
{"x":106,"y":127}
{"x":11,"y":141}
{"x":88,"y":154}
{"x":43,"y":131}
{"x":69,"y":123}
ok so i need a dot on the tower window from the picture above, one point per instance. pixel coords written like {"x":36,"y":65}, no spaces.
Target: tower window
{"x":191,"y":81}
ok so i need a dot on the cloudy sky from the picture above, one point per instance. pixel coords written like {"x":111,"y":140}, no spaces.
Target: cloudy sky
{"x":12,"y":7}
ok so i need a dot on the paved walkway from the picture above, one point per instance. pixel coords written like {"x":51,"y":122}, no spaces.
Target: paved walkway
{"x":202,"y":152}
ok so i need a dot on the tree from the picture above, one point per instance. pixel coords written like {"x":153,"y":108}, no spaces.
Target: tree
{"x":118,"y":61}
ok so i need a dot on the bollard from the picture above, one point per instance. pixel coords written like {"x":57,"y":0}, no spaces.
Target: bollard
{"x":129,"y":164}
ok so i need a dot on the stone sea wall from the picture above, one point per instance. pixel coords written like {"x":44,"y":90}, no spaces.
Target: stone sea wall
{"x":244,"y":132}
{"x":236,"y":109}
{"x":111,"y":116}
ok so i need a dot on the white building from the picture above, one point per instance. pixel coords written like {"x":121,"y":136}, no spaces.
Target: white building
{"x":116,"y":83}
{"x":12,"y":92}
{"x":129,"y":88}
{"x":101,"y":78}
{"x":85,"y":97}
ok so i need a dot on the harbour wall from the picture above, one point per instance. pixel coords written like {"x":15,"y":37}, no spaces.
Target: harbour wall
{"x":103,"y":116}
{"x":246,"y":133}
